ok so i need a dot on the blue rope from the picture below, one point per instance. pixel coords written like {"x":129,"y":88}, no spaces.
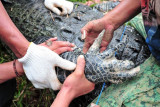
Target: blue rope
{"x":122,"y":35}
{"x":123,"y":32}
{"x":115,"y":54}
{"x":100,"y":93}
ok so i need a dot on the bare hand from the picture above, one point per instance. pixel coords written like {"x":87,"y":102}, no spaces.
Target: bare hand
{"x":75,"y":85}
{"x":94,"y":105}
{"x":90,"y":2}
{"x":93,"y":29}
{"x":77,"y":82}
{"x":59,"y":46}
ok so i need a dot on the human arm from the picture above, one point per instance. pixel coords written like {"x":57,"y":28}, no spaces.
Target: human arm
{"x":7,"y":72}
{"x":75,"y":85}
{"x":38,"y":61}
{"x":11,"y":35}
{"x":126,"y":10}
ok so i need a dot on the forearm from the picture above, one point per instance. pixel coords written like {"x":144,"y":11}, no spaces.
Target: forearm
{"x":11,"y":35}
{"x":7,"y":72}
{"x":63,"y":98}
{"x":126,"y":10}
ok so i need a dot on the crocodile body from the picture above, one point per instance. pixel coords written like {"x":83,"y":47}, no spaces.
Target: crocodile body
{"x":38,"y":24}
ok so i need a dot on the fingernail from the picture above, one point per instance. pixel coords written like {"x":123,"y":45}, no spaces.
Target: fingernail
{"x":81,"y":56}
{"x":92,"y":105}
{"x":72,"y":48}
{"x":84,"y":35}
{"x":73,"y":44}
{"x":55,"y":37}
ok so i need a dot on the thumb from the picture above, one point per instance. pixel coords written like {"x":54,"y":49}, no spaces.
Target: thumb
{"x":80,"y":65}
{"x":64,"y":64}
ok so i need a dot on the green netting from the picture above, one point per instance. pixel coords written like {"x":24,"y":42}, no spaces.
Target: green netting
{"x":141,"y":91}
{"x":137,"y":23}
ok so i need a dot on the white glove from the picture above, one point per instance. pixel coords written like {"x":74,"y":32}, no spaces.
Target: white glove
{"x":39,"y":66}
{"x":60,"y":7}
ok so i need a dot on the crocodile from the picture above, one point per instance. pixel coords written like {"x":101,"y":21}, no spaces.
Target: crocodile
{"x":39,"y":24}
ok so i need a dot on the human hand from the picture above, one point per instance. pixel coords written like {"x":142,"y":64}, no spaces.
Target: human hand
{"x":75,"y":85}
{"x":91,"y":31}
{"x":94,"y":105}
{"x":90,"y":2}
{"x":77,"y":82}
{"x":58,"y":46}
{"x":39,"y":66}
{"x":60,"y":7}
{"x":116,"y":0}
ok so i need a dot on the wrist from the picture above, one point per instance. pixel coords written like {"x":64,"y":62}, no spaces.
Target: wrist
{"x":110,"y":21}
{"x":65,"y":96}
{"x":19,"y":67}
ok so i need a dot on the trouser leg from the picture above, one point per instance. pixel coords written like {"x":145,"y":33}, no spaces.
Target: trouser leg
{"x":7,"y":90}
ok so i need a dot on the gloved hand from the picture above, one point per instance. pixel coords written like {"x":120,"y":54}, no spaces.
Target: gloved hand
{"x":39,"y":66}
{"x":60,"y":7}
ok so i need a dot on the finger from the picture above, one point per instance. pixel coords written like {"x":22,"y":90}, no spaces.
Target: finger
{"x":53,"y":80}
{"x":104,"y":45}
{"x":80,"y":65}
{"x":94,"y":105}
{"x":107,"y":37}
{"x":52,"y":39}
{"x":70,"y":7}
{"x":102,"y":49}
{"x":86,"y":47}
{"x":83,"y":35}
{"x":64,"y":64}
{"x":97,"y":1}
{"x":88,"y":27}
{"x":58,"y":44}
{"x":63,"y":49}
{"x":90,"y":3}
{"x":53,"y":9}
{"x":64,"y":11}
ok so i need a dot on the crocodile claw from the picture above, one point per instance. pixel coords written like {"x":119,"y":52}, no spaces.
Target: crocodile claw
{"x":106,"y":67}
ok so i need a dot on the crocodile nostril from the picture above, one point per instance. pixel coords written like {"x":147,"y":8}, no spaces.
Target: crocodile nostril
{"x":58,"y":19}
{"x":77,"y":18}
{"x":69,"y":35}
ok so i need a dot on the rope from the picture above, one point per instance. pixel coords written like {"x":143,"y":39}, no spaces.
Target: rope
{"x":122,"y":34}
{"x":115,"y":54}
{"x":100,"y":93}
